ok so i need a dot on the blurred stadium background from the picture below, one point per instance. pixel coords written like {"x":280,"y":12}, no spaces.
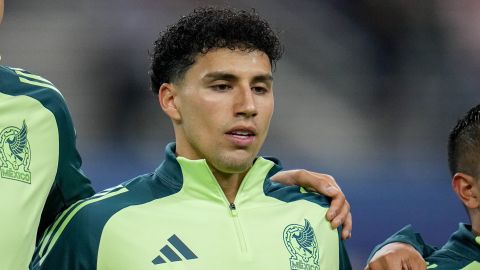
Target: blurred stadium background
{"x":367,"y":91}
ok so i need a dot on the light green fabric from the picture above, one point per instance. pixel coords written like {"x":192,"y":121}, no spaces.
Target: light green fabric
{"x":22,"y":200}
{"x":472,"y":266}
{"x":178,"y":217}
{"x":250,"y":237}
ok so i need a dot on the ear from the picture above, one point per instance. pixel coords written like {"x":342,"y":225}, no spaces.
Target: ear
{"x":167,"y":96}
{"x":467,"y":190}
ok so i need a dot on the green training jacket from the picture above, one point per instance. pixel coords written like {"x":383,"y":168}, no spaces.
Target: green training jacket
{"x":461,"y":252}
{"x":179,"y":218}
{"x":39,"y":163}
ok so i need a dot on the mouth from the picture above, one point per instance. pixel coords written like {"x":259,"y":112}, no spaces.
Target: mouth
{"x":241,"y":132}
{"x":241,"y":136}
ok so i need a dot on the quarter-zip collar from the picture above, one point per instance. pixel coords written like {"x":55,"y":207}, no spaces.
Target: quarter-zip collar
{"x":196,"y":180}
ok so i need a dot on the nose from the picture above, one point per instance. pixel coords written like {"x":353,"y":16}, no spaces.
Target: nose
{"x":245,"y":105}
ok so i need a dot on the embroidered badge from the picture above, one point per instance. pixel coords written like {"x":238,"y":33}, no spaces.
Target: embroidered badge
{"x":302,"y":245}
{"x":15,"y":154}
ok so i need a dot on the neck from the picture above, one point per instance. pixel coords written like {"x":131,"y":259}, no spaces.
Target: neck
{"x":476,"y":229}
{"x":475,"y":219}
{"x":229,"y":182}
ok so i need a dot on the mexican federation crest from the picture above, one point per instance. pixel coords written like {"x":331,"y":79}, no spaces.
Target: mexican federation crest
{"x":15,"y":154}
{"x":302,"y":245}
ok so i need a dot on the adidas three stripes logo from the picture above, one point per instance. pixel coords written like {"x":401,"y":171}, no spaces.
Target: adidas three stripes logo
{"x":170,"y":252}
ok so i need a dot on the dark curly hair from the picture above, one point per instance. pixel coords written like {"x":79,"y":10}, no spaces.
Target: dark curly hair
{"x":205,"y":29}
{"x":464,"y":144}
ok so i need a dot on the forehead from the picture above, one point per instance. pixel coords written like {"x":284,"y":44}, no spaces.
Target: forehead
{"x":237,"y":62}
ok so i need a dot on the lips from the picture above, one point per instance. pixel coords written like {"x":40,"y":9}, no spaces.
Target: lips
{"x":241,"y":133}
{"x":241,"y":136}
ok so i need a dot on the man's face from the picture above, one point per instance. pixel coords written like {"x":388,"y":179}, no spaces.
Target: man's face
{"x":225,"y":103}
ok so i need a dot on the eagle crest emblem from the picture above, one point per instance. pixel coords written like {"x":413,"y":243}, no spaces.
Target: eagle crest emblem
{"x":15,"y":154}
{"x":302,"y":245}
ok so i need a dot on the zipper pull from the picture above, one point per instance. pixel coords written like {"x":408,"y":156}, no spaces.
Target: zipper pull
{"x":233,"y":209}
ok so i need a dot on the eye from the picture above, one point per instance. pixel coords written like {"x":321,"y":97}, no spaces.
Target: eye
{"x":221,"y":87}
{"x":259,"y":90}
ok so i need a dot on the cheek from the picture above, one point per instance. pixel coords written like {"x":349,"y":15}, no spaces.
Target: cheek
{"x":200,"y":118}
{"x":272,"y":109}
{"x":267,"y":112}
{"x":211,"y":110}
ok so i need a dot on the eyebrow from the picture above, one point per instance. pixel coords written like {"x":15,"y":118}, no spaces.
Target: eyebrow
{"x":263,"y":78}
{"x":230,"y":77}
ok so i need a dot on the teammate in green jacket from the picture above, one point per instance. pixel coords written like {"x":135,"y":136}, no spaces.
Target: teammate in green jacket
{"x":210,"y":204}
{"x":39,"y":164}
{"x":462,"y":251}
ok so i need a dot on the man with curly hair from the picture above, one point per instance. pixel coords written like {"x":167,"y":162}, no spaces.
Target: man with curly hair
{"x":40,"y":171}
{"x":211,"y":203}
{"x":462,"y":251}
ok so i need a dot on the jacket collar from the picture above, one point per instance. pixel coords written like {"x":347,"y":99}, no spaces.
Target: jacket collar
{"x":196,"y":180}
{"x":464,"y":242}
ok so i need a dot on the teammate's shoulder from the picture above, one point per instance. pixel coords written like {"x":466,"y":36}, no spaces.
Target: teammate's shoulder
{"x":294,"y":193}
{"x":17,"y":81}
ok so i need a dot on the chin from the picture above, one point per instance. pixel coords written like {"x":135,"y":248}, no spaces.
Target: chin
{"x":235,"y":164}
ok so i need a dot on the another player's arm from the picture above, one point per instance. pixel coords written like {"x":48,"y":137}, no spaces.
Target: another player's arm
{"x":344,"y":260}
{"x":403,"y":250}
{"x":339,"y":211}
{"x":70,"y":183}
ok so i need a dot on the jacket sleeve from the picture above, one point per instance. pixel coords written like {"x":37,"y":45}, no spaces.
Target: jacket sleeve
{"x":408,"y":236}
{"x":70,"y":183}
{"x":343,"y":257}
